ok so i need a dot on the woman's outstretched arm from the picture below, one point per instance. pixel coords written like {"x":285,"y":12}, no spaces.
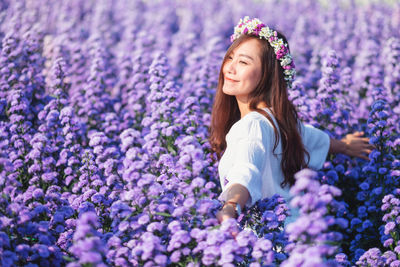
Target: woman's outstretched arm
{"x":353,"y":145}
{"x":237,"y":193}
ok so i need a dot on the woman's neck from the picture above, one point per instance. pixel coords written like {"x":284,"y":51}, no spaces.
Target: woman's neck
{"x":244,"y":108}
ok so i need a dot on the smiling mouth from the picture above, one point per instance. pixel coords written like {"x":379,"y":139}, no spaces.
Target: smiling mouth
{"x":230,"y":80}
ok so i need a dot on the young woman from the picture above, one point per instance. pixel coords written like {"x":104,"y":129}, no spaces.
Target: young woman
{"x":255,"y":130}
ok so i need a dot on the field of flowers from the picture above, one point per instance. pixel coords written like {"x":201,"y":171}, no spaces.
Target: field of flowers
{"x":104,"y":114}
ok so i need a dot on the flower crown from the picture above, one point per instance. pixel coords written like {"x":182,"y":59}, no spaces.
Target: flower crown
{"x":257,"y":28}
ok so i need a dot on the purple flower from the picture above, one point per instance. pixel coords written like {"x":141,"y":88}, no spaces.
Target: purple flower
{"x":90,"y":257}
{"x":175,"y":256}
{"x":144,"y":219}
{"x":97,"y":198}
{"x":198,"y":182}
{"x":42,"y":250}
{"x":161,"y":259}
{"x":388,"y":242}
{"x":189,"y":202}
{"x":389,"y":227}
{"x":49,"y":177}
{"x":37,"y":193}
{"x":174,"y":226}
{"x":58,"y":217}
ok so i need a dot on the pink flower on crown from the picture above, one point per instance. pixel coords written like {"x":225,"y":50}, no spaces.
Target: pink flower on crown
{"x":281,"y":52}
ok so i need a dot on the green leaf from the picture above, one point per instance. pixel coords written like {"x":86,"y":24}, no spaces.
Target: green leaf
{"x":163,"y":214}
{"x":67,"y":258}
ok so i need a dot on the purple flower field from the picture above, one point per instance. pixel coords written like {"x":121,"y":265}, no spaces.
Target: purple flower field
{"x":104,"y":114}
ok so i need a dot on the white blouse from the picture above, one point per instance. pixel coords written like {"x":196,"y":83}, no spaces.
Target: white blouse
{"x":249,"y":159}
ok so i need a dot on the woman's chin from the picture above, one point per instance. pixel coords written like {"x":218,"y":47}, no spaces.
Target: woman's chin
{"x":227,"y":91}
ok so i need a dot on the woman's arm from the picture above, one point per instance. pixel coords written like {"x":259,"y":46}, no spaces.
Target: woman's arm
{"x":236,"y":193}
{"x":353,"y":145}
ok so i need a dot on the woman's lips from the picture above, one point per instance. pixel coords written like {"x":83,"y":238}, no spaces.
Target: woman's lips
{"x":230,"y":80}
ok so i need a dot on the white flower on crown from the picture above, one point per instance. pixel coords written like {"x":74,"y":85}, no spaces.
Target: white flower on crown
{"x":254,"y":23}
{"x":285,"y":61}
{"x":289,"y":72}
{"x":264,"y":32}
{"x":279,"y":43}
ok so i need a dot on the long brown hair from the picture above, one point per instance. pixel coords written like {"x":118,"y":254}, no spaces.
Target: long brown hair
{"x":272,"y":89}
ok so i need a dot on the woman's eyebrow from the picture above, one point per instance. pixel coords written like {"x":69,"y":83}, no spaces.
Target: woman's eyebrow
{"x":244,"y":55}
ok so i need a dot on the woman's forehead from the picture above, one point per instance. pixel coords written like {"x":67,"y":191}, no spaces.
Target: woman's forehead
{"x":250,"y":47}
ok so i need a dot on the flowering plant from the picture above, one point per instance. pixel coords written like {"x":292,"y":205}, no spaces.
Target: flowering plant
{"x":104,"y":151}
{"x":256,"y":27}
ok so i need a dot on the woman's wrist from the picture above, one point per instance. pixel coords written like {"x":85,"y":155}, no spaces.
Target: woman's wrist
{"x":338,"y":146}
{"x":344,"y":146}
{"x":229,"y":210}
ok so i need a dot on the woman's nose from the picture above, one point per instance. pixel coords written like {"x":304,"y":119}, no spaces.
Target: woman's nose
{"x":231,"y":67}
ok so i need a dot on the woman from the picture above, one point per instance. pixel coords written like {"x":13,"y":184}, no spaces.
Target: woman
{"x":255,"y":130}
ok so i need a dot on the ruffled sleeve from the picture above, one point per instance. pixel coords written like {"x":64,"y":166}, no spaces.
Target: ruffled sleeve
{"x":249,"y":139}
{"x":317,"y":144}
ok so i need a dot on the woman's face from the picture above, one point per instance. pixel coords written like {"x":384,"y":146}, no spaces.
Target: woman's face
{"x":242,"y":70}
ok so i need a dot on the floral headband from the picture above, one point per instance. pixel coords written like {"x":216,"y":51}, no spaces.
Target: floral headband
{"x":257,"y":28}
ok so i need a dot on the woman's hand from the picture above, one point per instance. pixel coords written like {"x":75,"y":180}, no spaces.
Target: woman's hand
{"x":353,"y":145}
{"x":227,"y":212}
{"x":357,"y":146}
{"x":236,"y":193}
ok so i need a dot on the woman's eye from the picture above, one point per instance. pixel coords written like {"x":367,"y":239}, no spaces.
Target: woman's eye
{"x":242,"y":62}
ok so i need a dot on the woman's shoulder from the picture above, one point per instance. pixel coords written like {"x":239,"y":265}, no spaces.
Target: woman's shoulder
{"x":255,"y":117}
{"x":253,"y":125}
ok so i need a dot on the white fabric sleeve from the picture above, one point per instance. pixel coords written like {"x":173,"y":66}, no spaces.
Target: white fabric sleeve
{"x":317,"y":143}
{"x":250,"y":147}
{"x":247,"y":169}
